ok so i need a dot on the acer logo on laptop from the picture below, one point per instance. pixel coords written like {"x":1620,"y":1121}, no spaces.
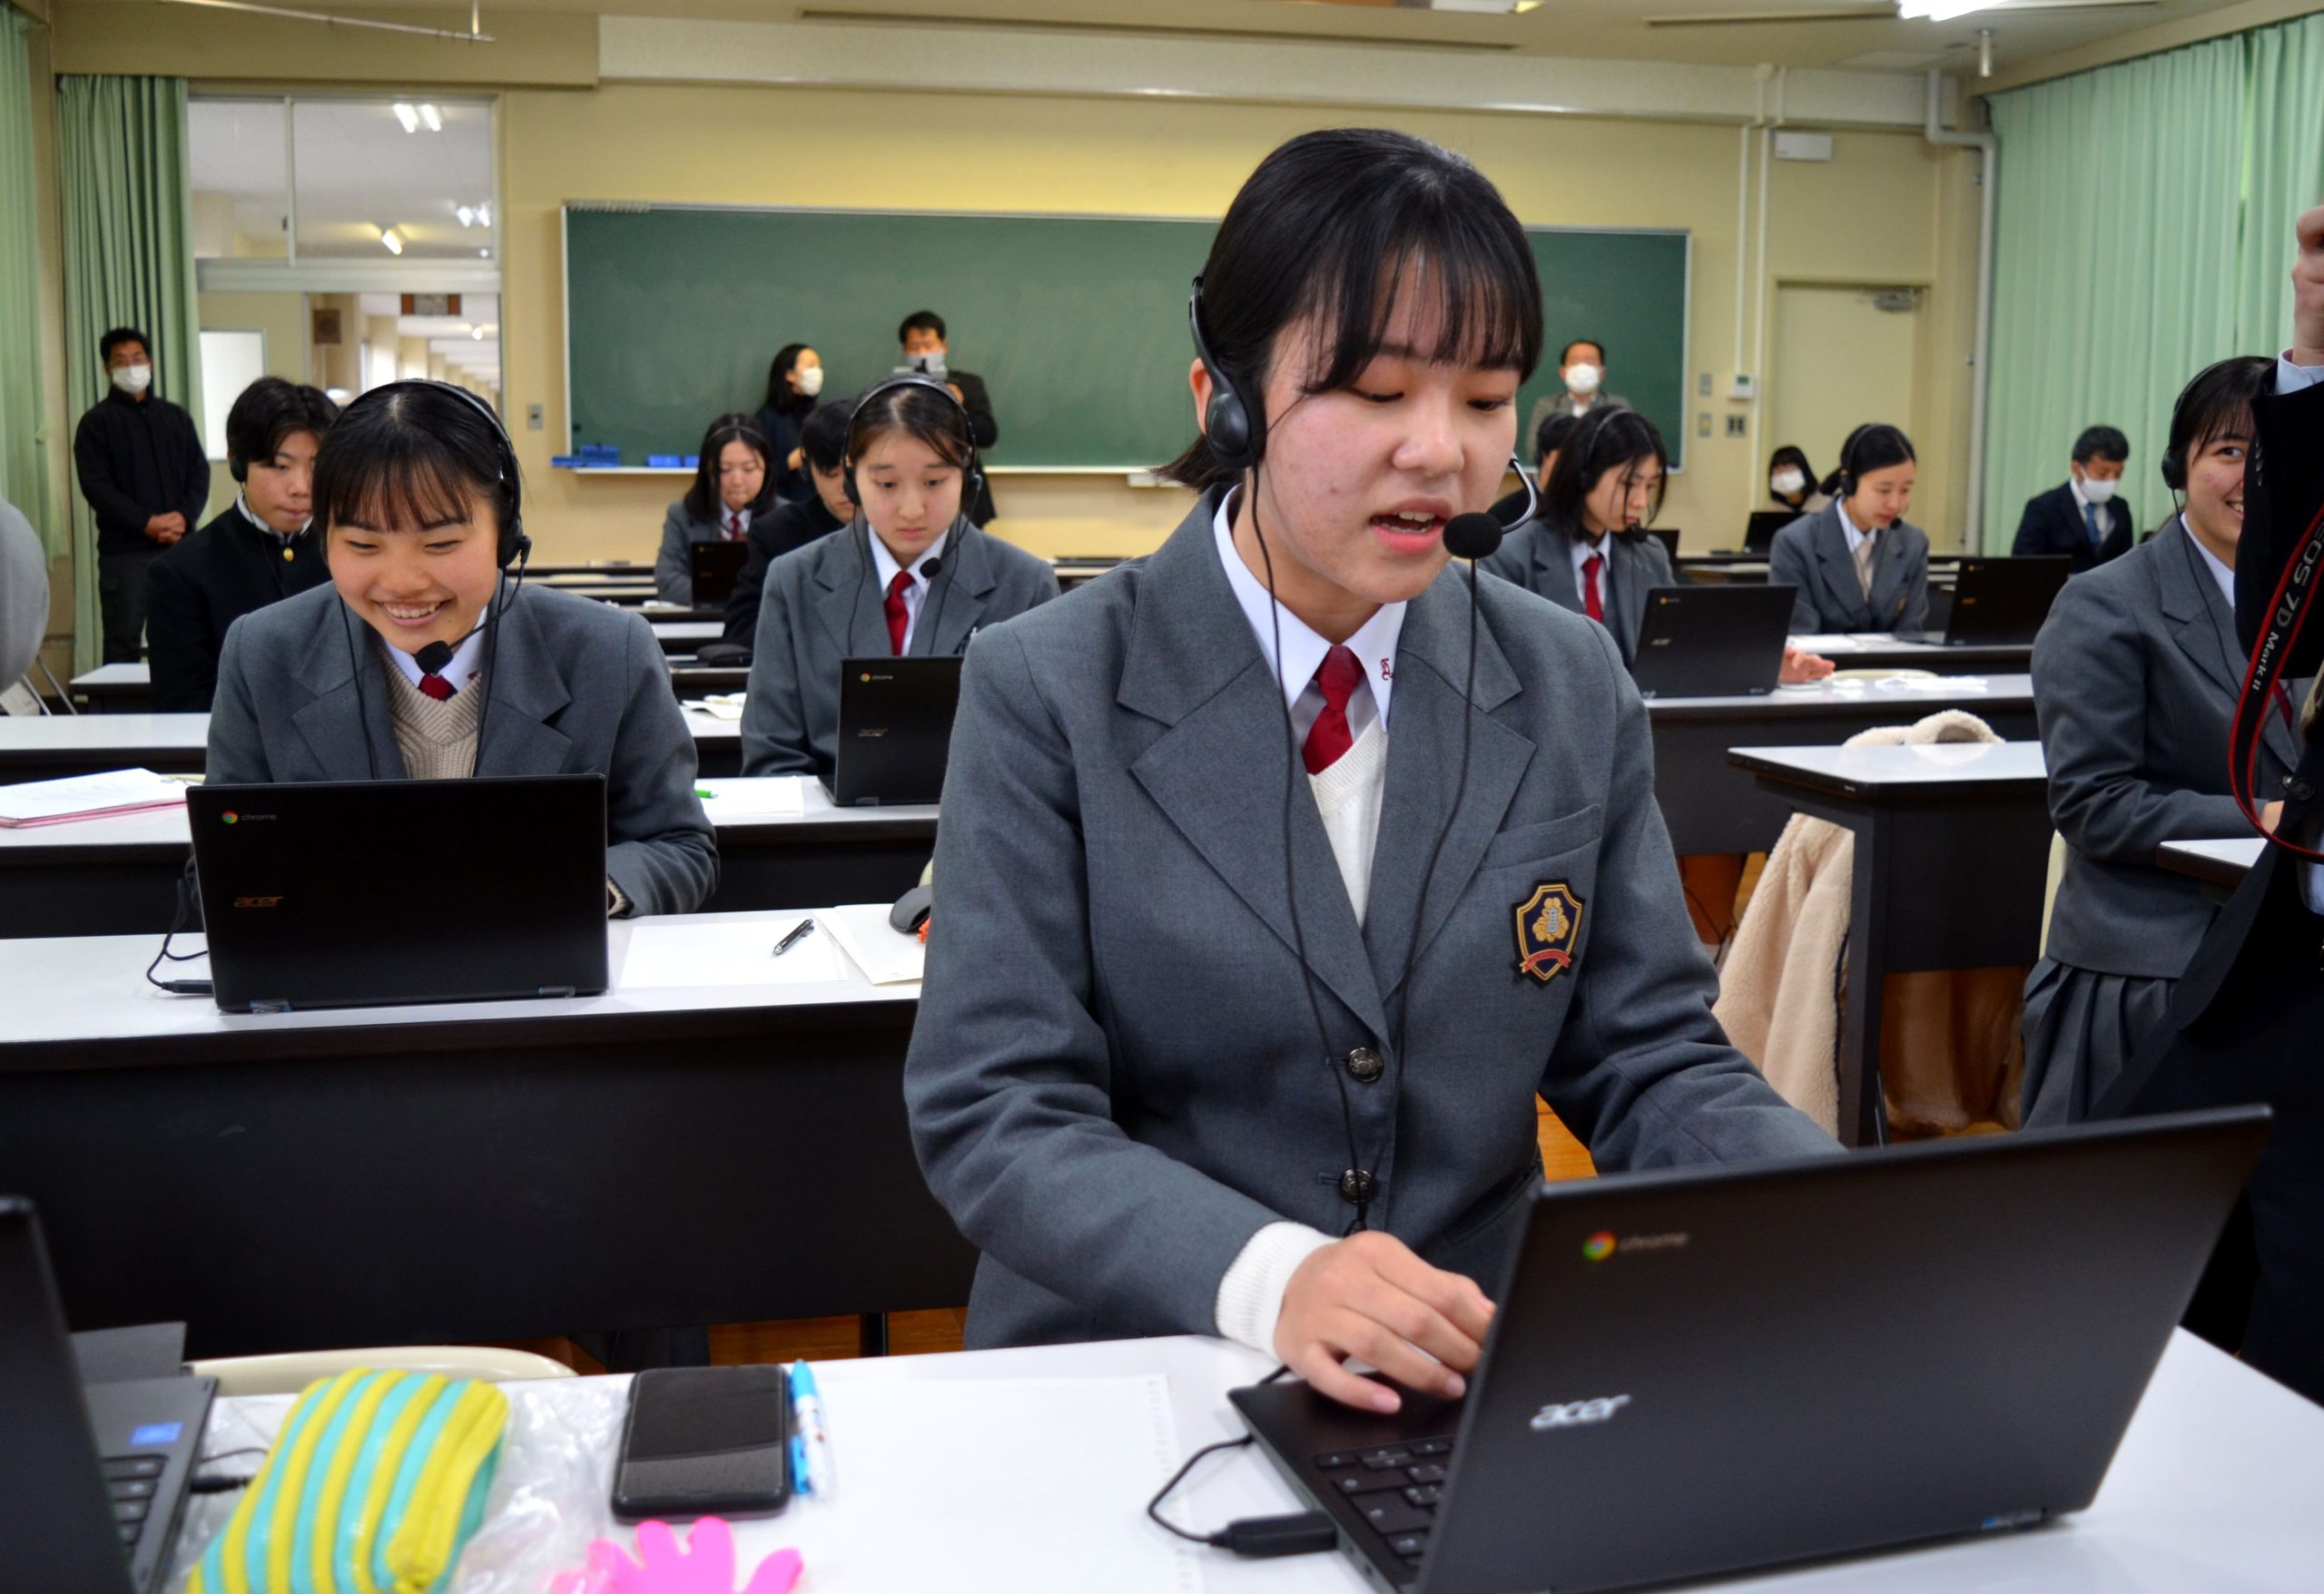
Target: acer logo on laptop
{"x":258,"y":902}
{"x":1578,"y":1414}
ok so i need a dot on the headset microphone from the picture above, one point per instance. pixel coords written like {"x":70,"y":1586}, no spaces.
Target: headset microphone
{"x":1473,"y":536}
{"x":435,"y":658}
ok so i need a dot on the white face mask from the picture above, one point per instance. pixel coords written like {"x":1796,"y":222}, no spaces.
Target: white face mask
{"x":1787,"y":482}
{"x":2096,"y":491}
{"x":132,"y":378}
{"x":810,"y":378}
{"x":1582,"y":379}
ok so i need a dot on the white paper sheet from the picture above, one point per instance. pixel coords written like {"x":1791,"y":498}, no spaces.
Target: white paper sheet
{"x":33,"y":802}
{"x":921,"y":1465}
{"x":723,"y":705}
{"x":662,"y":956}
{"x":767,"y":797}
{"x":863,"y":931}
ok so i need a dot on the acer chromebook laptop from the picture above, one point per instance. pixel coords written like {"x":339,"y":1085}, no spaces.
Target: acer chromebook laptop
{"x":92,"y":1477}
{"x":716,"y":567}
{"x":1697,"y":1372}
{"x":1719,"y":641}
{"x":496,"y":891}
{"x":1760,"y":532}
{"x":2001,"y":603}
{"x":895,"y":729}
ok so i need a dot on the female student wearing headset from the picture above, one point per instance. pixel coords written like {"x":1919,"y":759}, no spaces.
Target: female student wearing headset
{"x":1174,"y":1076}
{"x":2135,"y":676}
{"x":1855,"y":564}
{"x":910,"y":576}
{"x":732,"y":490}
{"x":419,"y":660}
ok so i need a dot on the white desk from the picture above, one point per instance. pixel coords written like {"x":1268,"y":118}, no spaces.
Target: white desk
{"x":1951,"y":844}
{"x":2220,"y":865}
{"x":2214,"y":1490}
{"x":43,"y":747}
{"x":685,"y":636}
{"x":1875,"y":652}
{"x":727,"y":1146}
{"x":118,"y":875}
{"x":1711,"y":807}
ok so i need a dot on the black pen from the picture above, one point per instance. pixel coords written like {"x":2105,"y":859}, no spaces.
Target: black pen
{"x":794,"y":938}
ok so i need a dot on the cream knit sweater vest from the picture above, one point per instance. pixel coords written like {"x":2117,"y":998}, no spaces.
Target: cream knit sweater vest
{"x":438,"y":740}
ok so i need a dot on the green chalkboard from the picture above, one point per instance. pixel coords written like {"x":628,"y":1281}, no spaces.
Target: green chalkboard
{"x":1076,"y":324}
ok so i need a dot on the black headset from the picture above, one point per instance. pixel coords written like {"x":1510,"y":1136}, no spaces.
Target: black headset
{"x":947,"y":564}
{"x":1235,"y":429}
{"x":513,"y":546}
{"x":2174,"y":453}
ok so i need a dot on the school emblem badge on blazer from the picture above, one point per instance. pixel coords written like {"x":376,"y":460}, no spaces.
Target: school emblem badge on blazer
{"x":1547,"y":923}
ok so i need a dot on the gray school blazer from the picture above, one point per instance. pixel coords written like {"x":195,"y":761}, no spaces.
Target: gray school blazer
{"x":1812,"y":554}
{"x":1113,"y":1081}
{"x":823,"y":604}
{"x":1541,"y":560}
{"x":2136,"y":676}
{"x":674,"y":564}
{"x":578,"y":687}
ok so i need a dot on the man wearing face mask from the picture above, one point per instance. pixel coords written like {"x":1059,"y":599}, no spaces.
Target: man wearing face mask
{"x":1582,"y":369}
{"x":142,"y":470}
{"x":2083,"y":520}
{"x":925,"y":350}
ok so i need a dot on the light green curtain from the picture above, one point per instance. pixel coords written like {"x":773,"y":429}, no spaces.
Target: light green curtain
{"x":2116,"y":264}
{"x":128,"y":261}
{"x":2286,"y":174}
{"x":23,"y":458}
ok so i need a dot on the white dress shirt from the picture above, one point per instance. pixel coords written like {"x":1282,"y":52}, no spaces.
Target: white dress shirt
{"x":1582,"y":549}
{"x":1848,"y":528}
{"x":1347,"y":797}
{"x":884,"y":562}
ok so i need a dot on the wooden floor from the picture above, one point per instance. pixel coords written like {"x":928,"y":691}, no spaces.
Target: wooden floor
{"x":920,"y":1333}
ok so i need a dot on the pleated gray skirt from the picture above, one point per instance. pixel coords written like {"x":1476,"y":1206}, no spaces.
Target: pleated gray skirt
{"x":2082,"y":1029}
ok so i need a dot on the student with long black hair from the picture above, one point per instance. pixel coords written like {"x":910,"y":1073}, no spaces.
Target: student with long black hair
{"x":793,"y":379}
{"x":1274,"y":913}
{"x":1855,"y":564}
{"x":1791,"y":482}
{"x":418,"y":499}
{"x":823,"y":450}
{"x":732,"y":490}
{"x":913,"y":575}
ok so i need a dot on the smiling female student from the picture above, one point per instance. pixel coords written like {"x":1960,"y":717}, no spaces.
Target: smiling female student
{"x":732,"y":488}
{"x":911,"y":575}
{"x":1172,"y":1075}
{"x":418,"y":498}
{"x":1855,"y":564}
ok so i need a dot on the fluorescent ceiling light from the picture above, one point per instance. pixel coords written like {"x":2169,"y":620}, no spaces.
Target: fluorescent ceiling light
{"x":408,"y":116}
{"x":476,"y":334}
{"x":484,"y":214}
{"x":467,"y":213}
{"x":432,"y":117}
{"x":388,"y":238}
{"x":1940,"y":10}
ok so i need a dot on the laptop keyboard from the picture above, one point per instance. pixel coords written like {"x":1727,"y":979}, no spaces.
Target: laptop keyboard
{"x":132,"y":1480}
{"x":1396,"y":1488}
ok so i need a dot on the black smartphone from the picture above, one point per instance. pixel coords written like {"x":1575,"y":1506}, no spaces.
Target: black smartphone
{"x":701,"y":1442}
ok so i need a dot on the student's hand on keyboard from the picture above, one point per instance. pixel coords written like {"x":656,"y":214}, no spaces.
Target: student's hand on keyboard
{"x":1369,"y":1297}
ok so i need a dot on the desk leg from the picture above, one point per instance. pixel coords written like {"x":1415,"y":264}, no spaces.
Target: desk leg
{"x":872,"y":1333}
{"x":1863,"y":1116}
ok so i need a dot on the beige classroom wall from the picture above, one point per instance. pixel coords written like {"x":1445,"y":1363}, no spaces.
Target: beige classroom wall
{"x":282,"y":317}
{"x":1887,"y":210}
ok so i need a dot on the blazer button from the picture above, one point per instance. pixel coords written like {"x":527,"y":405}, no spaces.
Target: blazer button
{"x":1364,"y":1064}
{"x":2302,"y":790}
{"x":1356,"y":1187}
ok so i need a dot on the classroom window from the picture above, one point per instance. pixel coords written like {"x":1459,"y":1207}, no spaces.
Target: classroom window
{"x":398,"y":181}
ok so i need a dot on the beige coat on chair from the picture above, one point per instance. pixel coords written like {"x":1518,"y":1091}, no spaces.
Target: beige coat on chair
{"x":1781,"y":988}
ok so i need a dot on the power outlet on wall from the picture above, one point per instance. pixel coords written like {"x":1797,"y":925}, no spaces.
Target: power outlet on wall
{"x":1739,"y":425}
{"x":532,"y":418}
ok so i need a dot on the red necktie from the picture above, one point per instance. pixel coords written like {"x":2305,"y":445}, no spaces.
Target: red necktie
{"x":1338,"y":676}
{"x":1592,"y":604}
{"x":437,"y":687}
{"x":899,"y":617}
{"x":735,"y":527}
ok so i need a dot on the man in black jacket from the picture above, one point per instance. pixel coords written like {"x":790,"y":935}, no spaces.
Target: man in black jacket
{"x":2083,"y":520}
{"x":2245,"y":1018}
{"x":822,"y":445}
{"x":142,"y":470}
{"x":258,"y":550}
{"x":922,"y":337}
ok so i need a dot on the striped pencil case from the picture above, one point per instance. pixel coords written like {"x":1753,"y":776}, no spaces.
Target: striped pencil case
{"x":378,"y":1480}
